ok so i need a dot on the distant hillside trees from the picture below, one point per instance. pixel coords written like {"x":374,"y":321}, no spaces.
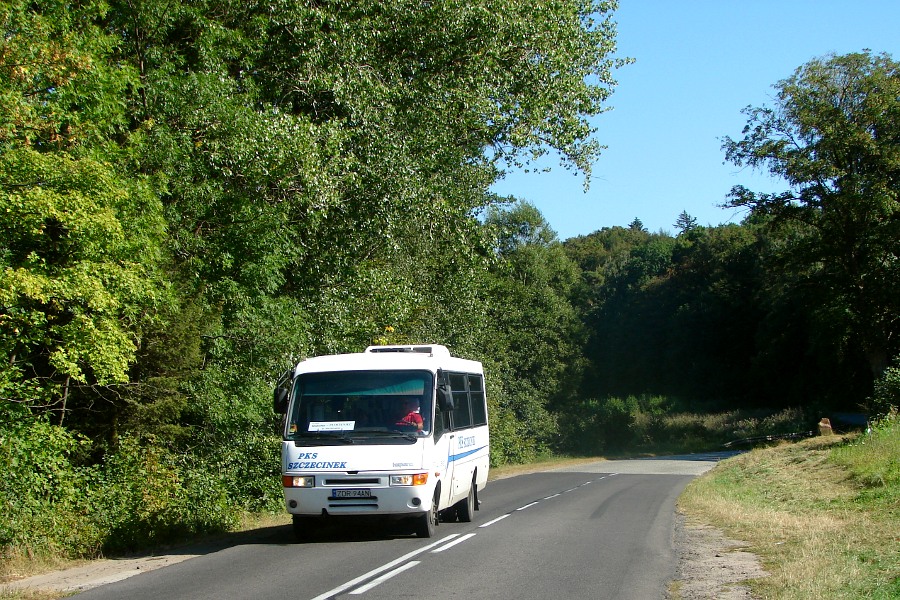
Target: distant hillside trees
{"x":796,"y":306}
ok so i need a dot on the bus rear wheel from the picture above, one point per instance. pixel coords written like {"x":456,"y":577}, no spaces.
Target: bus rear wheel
{"x":465,"y":509}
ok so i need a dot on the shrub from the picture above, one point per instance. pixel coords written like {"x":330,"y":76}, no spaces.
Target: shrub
{"x":140,"y":495}
{"x":41,"y":493}
{"x":885,"y":397}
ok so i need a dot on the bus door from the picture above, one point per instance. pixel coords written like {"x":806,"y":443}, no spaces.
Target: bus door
{"x":444,"y":438}
{"x":460,"y":442}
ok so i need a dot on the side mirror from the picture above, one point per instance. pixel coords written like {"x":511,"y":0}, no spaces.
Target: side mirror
{"x":280,"y":400}
{"x":444,"y":395}
{"x":280,"y":395}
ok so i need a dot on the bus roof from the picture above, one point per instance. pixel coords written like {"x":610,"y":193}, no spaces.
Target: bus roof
{"x":428,"y":357}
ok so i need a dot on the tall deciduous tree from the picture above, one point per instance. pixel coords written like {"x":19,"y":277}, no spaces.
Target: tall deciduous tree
{"x":311,"y":155}
{"x":834,"y":136}
{"x":80,"y":237}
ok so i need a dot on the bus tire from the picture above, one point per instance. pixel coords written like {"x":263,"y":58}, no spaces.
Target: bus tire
{"x":428,"y":521}
{"x":465,"y":509}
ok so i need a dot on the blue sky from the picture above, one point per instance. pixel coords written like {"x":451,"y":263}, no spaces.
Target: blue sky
{"x":698,"y":63}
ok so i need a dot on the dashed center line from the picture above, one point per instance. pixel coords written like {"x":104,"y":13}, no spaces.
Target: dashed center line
{"x":459,"y":540}
{"x":492,"y":521}
{"x":388,"y":571}
{"x":383,"y":578}
{"x":354,"y":582}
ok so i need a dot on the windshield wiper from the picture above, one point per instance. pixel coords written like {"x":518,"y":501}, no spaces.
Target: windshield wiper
{"x":322,"y":435}
{"x":401,"y":434}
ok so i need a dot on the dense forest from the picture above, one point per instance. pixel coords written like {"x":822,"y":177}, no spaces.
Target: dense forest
{"x":195,"y":195}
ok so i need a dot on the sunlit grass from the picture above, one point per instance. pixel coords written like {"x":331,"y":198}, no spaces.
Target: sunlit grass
{"x":824,"y":514}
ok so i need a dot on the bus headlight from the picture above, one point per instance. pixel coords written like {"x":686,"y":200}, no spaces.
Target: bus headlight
{"x":295,"y":481}
{"x":417,"y":479}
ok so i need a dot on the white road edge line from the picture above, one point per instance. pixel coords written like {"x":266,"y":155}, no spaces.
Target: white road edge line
{"x":342,"y":588}
{"x":553,"y":496}
{"x":526,"y":506}
{"x":383,"y":578}
{"x":489,"y":523}
{"x":458,"y":540}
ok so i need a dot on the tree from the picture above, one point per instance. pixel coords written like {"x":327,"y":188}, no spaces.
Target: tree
{"x":833,"y":136}
{"x":685,"y":222}
{"x":307,"y":164}
{"x":80,"y":235}
{"x":535,"y":330}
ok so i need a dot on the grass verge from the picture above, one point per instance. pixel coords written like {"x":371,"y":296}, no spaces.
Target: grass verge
{"x":823,"y":514}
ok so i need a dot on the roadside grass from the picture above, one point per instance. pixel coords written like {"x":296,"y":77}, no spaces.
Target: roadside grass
{"x":543,"y":463}
{"x":31,"y":595}
{"x":15,"y":565}
{"x":823,"y":513}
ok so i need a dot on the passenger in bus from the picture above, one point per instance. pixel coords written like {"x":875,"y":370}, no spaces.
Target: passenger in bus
{"x":408,"y":415}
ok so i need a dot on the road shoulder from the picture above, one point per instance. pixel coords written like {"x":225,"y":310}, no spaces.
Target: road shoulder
{"x":711,"y":566}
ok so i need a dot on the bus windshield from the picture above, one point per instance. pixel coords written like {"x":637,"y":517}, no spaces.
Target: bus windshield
{"x":361,"y":405}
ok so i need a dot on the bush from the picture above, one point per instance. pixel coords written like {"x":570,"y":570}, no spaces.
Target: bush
{"x":146,"y":495}
{"x":885,"y":397}
{"x":42,"y":492}
{"x":142,"y":494}
{"x":874,"y":456}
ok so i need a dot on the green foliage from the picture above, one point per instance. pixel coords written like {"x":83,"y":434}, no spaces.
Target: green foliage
{"x":58,"y":92}
{"x":885,"y":398}
{"x":194,"y":194}
{"x":73,"y":285}
{"x":142,"y":495}
{"x":533,"y":331}
{"x":832,"y":136}
{"x":42,"y":495}
{"x":145,"y":495}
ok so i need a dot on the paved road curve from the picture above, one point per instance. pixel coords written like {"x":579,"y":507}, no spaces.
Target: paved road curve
{"x":600,"y":530}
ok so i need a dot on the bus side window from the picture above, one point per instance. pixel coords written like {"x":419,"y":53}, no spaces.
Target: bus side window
{"x":476,"y":393}
{"x":462,"y":416}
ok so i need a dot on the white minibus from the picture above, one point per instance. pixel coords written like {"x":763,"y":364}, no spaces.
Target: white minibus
{"x":398,"y":431}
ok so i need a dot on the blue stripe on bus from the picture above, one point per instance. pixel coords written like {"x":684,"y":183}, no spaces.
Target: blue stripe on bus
{"x":454,"y":457}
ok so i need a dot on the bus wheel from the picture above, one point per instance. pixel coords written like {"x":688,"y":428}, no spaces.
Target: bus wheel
{"x":427,"y":521}
{"x":465,"y":509}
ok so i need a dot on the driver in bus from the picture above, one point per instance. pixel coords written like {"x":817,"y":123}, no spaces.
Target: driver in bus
{"x":409,"y":416}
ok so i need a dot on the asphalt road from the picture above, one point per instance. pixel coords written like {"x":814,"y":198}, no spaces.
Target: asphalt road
{"x":601,"y":530}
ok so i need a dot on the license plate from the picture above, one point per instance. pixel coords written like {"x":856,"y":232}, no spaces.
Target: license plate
{"x":359,"y":493}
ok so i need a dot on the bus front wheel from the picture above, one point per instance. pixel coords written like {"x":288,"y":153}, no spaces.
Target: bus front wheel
{"x":428,"y":520}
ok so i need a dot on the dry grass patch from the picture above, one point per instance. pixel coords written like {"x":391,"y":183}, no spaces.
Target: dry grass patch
{"x":31,"y":595}
{"x":811,"y":520}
